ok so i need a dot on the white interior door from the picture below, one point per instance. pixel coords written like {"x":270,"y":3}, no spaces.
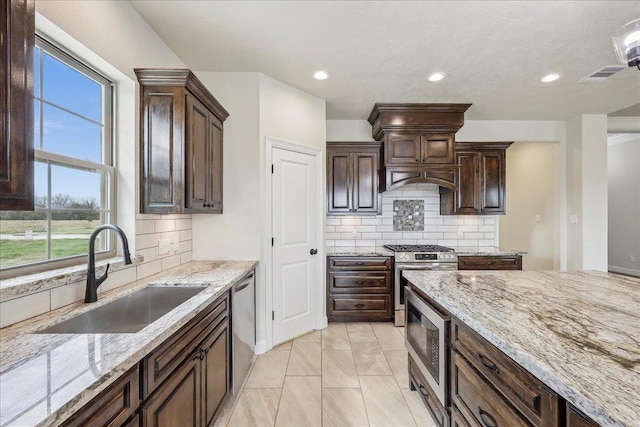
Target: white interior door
{"x":295,"y":279}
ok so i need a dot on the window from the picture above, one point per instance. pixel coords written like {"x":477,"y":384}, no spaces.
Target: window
{"x":74,"y":176}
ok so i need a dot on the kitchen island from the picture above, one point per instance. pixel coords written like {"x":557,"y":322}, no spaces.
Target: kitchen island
{"x":46,"y":378}
{"x":577,"y":332}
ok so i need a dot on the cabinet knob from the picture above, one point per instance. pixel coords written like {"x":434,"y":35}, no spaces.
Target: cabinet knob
{"x":424,"y":159}
{"x":204,"y":205}
{"x":417,"y":160}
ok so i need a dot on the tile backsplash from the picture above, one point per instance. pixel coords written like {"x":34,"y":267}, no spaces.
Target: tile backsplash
{"x":149,"y":229}
{"x":395,"y":226}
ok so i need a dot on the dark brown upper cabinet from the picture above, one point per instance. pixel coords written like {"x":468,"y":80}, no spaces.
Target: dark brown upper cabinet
{"x":181,"y":140}
{"x":480,"y":180}
{"x":17,"y":38}
{"x":412,"y":150}
{"x":353,"y":170}
{"x":418,"y":142}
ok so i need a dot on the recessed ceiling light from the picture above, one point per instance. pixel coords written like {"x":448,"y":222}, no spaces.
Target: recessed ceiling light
{"x":436,"y":77}
{"x":550,"y":78}
{"x":320,"y":75}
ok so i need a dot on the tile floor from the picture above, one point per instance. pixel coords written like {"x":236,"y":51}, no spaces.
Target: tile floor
{"x":349,"y":374}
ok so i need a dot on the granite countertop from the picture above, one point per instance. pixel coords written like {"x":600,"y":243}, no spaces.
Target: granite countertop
{"x":578,"y":332}
{"x":358,"y":251}
{"x":382,"y":251}
{"x":486,"y":251}
{"x":45,"y":378}
{"x":11,"y":288}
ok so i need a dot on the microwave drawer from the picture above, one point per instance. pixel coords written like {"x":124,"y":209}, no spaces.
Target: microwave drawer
{"x":435,"y":408}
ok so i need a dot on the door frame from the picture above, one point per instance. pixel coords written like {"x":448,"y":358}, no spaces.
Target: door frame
{"x":321,"y":314}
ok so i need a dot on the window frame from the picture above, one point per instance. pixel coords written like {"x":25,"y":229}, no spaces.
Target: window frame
{"x":109,"y":186}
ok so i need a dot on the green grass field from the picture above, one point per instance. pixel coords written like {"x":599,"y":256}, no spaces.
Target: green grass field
{"x":15,"y":252}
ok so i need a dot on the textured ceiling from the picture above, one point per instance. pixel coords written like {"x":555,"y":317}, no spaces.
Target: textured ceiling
{"x":492,"y":52}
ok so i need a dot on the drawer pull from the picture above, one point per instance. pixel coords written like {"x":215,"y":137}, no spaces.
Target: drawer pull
{"x":360,"y":305}
{"x":424,"y":392}
{"x":487,"y":363}
{"x":487,"y":420}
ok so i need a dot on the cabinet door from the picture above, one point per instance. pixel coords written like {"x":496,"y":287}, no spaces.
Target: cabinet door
{"x":402,"y":149}
{"x":162,"y":180}
{"x":214,"y":175}
{"x":339,"y":182}
{"x":466,"y":198}
{"x":197,"y":141}
{"x":492,"y":185}
{"x":178,"y":401}
{"x":577,"y":419}
{"x":216,"y":369}
{"x":437,"y":149}
{"x":365,"y":182}
{"x":17,"y":38}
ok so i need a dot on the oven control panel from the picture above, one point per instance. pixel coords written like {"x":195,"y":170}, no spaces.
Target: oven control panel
{"x":426,"y":257}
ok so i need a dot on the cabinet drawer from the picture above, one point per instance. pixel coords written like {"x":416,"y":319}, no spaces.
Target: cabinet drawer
{"x":113,"y":406}
{"x":479,"y":403}
{"x":359,"y":308}
{"x":576,"y":418}
{"x":489,"y":263}
{"x":359,"y":263}
{"x":368,"y":303}
{"x":166,"y":358}
{"x":525,"y":391}
{"x":435,"y":408}
{"x":457,"y":419}
{"x":364,"y":282}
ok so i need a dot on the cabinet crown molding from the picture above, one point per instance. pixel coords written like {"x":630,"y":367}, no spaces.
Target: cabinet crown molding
{"x":184,"y":78}
{"x":494,"y":145}
{"x":416,"y":118}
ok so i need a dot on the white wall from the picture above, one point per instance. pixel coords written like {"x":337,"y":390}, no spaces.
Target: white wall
{"x":533,"y":171}
{"x":586,"y":171}
{"x":80,"y":27}
{"x":258,"y":106}
{"x":624,"y":204}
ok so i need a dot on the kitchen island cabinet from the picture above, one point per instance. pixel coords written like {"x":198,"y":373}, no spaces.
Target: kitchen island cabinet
{"x":181,"y":139}
{"x":519,"y":353}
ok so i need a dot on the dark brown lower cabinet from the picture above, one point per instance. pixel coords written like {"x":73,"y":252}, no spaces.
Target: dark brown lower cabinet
{"x":576,"y":418}
{"x":493,"y":262}
{"x":185,"y":381}
{"x":359,"y":289}
{"x":114,"y":406}
{"x":177,"y":401}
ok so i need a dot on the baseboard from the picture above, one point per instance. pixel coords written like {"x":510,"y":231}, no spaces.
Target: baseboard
{"x":623,"y":270}
{"x":261,"y":347}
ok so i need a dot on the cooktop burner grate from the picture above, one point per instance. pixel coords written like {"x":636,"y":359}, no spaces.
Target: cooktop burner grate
{"x":418,"y":248}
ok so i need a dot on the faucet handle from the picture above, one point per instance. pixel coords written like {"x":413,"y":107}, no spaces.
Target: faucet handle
{"x":103,"y":277}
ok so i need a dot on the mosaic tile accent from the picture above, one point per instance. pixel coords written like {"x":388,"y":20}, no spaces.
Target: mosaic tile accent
{"x":408,"y":215}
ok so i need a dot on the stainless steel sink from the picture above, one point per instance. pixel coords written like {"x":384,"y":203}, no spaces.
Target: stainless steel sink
{"x":128,"y":314}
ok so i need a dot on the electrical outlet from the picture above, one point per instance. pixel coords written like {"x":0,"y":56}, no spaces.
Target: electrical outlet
{"x":176,"y":245}
{"x":632,"y":258}
{"x":573,"y":219}
{"x":164,"y":246}
{"x":354,"y":232}
{"x":538,"y":218}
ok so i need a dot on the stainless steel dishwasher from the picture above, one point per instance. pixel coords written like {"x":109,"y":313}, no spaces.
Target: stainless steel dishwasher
{"x":243,"y":325}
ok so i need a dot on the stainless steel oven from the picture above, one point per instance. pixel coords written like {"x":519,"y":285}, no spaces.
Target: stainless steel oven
{"x":417,"y":257}
{"x":427,"y":340}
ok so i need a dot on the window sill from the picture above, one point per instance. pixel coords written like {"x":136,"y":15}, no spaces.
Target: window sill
{"x":22,"y":285}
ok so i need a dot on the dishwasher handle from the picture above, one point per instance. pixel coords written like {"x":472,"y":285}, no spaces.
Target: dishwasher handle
{"x":242,"y":286}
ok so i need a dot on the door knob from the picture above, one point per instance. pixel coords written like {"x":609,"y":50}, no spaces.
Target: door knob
{"x":313,"y":251}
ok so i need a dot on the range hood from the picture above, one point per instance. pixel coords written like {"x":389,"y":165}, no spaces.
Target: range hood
{"x":418,"y":142}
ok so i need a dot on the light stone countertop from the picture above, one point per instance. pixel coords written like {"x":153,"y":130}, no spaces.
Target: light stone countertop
{"x":382,"y":251}
{"x":45,"y":378}
{"x":358,"y":251}
{"x":11,"y":288}
{"x":578,"y":332}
